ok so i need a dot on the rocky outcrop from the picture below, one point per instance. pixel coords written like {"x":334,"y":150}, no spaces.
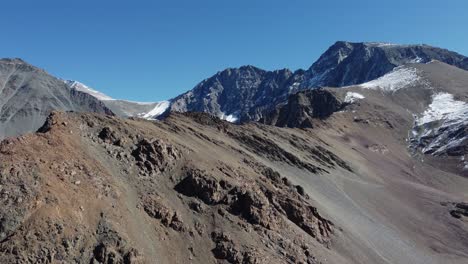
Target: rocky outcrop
{"x":112,"y":248}
{"x":156,"y":207}
{"x":205,"y":187}
{"x":257,"y":203}
{"x":303,"y":108}
{"x":229,"y":250}
{"x":155,"y":156}
{"x":458,"y":210}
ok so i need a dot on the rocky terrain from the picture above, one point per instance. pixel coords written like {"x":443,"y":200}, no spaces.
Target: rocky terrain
{"x":375,"y":171}
{"x":337,"y":185}
{"x":124,"y":179}
{"x":132,"y":191}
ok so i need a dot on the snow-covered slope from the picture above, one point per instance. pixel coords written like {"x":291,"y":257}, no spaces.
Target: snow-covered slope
{"x":398,"y":78}
{"x":83,"y":88}
{"x":125,"y":108}
{"x":159,"y":109}
{"x":352,"y":97}
{"x":442,"y":128}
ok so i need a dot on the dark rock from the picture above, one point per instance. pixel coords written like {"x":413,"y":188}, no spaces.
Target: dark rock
{"x":156,"y":207}
{"x":205,"y":187}
{"x":155,"y":156}
{"x":303,"y":107}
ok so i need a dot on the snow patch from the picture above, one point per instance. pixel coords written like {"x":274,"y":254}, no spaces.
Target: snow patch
{"x":232,"y":118}
{"x":294,"y":86}
{"x":158,"y":110}
{"x":381,"y":44}
{"x":416,"y":60}
{"x":401,"y":77}
{"x":441,"y":128}
{"x":352,"y":97}
{"x":444,"y":107}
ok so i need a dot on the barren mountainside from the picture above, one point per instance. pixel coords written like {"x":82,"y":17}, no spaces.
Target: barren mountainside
{"x":196,"y":189}
{"x":29,"y":94}
{"x":250,"y":166}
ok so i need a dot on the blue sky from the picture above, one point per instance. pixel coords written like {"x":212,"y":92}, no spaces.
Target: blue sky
{"x":155,"y":50}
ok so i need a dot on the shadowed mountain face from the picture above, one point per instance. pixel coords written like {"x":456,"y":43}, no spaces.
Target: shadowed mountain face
{"x":29,"y":94}
{"x":237,"y":94}
{"x":303,"y":107}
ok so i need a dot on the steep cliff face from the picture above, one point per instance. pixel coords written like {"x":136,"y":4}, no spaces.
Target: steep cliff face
{"x":29,"y":94}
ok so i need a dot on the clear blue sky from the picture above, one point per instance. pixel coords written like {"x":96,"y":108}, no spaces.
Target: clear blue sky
{"x":154,"y":50}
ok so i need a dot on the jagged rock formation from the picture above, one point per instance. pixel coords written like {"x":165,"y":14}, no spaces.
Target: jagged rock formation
{"x":236,"y":94}
{"x":347,"y":63}
{"x":29,"y":94}
{"x":303,"y":107}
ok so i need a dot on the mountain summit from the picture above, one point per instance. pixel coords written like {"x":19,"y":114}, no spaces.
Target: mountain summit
{"x":348,"y":63}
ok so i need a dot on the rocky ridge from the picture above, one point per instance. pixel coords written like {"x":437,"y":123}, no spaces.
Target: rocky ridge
{"x":227,"y":211}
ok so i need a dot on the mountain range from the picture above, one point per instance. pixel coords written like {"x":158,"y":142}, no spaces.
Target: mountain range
{"x":362,"y":158}
{"x":235,"y":94}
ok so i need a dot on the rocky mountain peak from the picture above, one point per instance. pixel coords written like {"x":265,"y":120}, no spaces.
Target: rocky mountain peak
{"x":8,"y":64}
{"x":348,"y":63}
{"x":236,"y":94}
{"x":12,"y":60}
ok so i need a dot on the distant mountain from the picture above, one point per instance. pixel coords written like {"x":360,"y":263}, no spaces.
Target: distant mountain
{"x":347,"y":63}
{"x":237,"y":94}
{"x":247,"y":93}
{"x":28,"y":95}
{"x":124,"y":108}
